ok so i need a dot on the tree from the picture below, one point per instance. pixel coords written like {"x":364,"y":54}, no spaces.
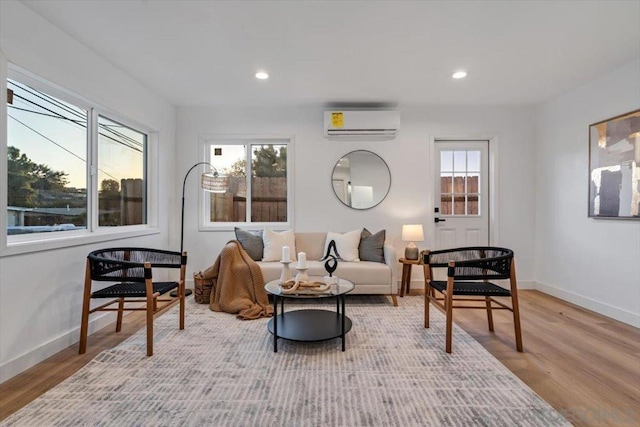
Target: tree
{"x":26,"y":179}
{"x":109,"y":186}
{"x":268,"y":161}
{"x":239,"y":168}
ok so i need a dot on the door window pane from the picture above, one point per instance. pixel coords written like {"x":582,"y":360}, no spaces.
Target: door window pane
{"x":460,"y":189}
{"x":46,"y":162}
{"x":473,"y":161}
{"x":459,"y":161}
{"x":121,"y":174}
{"x":446,"y":161}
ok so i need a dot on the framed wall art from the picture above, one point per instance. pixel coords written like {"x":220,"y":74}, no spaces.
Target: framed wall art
{"x":614,"y":167}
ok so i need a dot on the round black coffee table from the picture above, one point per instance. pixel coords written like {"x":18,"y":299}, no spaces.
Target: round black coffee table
{"x":309,"y":325}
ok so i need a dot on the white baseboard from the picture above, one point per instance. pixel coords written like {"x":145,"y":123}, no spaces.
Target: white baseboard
{"x":25,"y":361}
{"x":599,"y":307}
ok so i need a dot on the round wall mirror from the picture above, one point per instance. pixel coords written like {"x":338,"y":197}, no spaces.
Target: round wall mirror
{"x":361,"y":179}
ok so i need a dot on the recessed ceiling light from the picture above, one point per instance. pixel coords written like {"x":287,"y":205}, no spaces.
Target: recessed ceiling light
{"x":459,"y":75}
{"x":262,"y":75}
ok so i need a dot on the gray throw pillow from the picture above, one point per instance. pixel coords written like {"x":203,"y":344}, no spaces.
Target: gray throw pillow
{"x":372,"y":246}
{"x":251,"y":242}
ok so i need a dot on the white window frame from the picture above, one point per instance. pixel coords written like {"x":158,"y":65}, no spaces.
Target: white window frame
{"x":25,"y":243}
{"x":207,"y":141}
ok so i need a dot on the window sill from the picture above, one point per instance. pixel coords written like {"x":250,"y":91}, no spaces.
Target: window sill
{"x":38,"y":244}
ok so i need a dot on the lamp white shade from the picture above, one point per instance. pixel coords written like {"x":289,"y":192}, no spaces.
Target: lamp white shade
{"x":412,"y":233}
{"x":214,"y":183}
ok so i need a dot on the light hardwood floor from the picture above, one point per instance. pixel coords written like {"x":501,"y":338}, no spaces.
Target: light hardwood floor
{"x":585,"y":365}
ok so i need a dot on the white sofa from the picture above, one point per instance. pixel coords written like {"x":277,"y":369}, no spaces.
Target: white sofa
{"x":369,"y":277}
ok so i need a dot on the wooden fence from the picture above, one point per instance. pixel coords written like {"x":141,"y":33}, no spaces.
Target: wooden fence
{"x":456,"y":188}
{"x":268,"y":201}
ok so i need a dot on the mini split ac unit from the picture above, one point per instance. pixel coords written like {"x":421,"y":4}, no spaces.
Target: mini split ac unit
{"x":373,"y":124}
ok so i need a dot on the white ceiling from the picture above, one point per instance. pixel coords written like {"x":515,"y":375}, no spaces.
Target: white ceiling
{"x":355,"y":52}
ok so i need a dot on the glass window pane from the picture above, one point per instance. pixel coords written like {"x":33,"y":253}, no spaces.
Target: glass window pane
{"x":458,"y":204}
{"x":446,"y":161}
{"x":459,"y":161}
{"x":473,"y":161}
{"x":459,"y":183}
{"x":446,"y":183}
{"x":268,"y":183}
{"x":230,"y":206}
{"x":47,"y":170}
{"x":445,"y":204}
{"x":122,"y":196}
{"x":472,"y":204}
{"x":473,"y":181}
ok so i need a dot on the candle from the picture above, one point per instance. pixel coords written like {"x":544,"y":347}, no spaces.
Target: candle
{"x":285,"y":254}
{"x":302,"y":260}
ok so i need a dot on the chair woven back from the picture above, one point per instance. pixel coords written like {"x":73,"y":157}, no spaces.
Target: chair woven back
{"x":127,"y":264}
{"x":474,"y":263}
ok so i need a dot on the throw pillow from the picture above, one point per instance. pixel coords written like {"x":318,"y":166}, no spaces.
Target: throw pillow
{"x":274,"y":241}
{"x":251,"y":242}
{"x":372,"y":246}
{"x":346,"y":244}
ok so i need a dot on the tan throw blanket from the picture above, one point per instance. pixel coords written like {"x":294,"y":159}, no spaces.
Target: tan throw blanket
{"x":239,"y":285}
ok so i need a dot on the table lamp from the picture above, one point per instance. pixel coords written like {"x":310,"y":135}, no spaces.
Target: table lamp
{"x":412,"y":233}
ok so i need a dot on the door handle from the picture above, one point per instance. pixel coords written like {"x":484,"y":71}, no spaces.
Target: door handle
{"x":437,"y":220}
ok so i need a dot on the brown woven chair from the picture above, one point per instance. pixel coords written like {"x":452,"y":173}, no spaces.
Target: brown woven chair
{"x":469,"y":271}
{"x":132,"y":269}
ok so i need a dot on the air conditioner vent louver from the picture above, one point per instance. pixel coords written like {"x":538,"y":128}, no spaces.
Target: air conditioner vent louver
{"x":372,"y":124}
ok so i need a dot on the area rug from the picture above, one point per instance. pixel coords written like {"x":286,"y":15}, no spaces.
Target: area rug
{"x":221,"y":371}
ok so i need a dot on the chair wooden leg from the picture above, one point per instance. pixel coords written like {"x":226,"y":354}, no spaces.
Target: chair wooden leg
{"x":151,"y":303}
{"x":489,"y":313}
{"x":86,"y":302}
{"x":516,"y":307}
{"x":516,"y":322}
{"x":427,"y":302}
{"x":120,"y":313}
{"x":181,"y":294}
{"x":449,"y":308}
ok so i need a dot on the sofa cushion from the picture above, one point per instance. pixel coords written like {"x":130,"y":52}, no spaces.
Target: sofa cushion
{"x":346,"y":244}
{"x":372,"y":246}
{"x":273,"y":243}
{"x":251,"y":242}
{"x":311,"y":243}
{"x":364,"y":272}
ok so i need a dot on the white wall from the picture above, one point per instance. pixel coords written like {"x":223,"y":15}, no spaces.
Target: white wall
{"x":594,"y":263}
{"x":410,"y":197}
{"x":41,"y":292}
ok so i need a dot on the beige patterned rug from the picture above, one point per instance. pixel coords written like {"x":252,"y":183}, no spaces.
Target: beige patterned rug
{"x":221,"y":371}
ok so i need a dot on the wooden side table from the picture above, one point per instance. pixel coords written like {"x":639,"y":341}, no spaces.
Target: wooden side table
{"x":405,"y":284}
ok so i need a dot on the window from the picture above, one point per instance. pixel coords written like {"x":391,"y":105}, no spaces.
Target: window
{"x":46,"y":162}
{"x":121,"y":174}
{"x":259,"y":177}
{"x":55,"y":186}
{"x":459,"y":182}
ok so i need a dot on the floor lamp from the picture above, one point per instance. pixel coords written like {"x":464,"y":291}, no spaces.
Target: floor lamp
{"x":211,"y":182}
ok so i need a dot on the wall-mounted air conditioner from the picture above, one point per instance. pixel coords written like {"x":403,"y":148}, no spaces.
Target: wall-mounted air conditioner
{"x":372,"y":124}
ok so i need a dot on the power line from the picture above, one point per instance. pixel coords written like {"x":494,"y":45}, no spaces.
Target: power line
{"x":58,"y":115}
{"x":56,"y":144}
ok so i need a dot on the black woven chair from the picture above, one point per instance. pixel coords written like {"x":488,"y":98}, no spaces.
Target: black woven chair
{"x":469,"y":271}
{"x":131,"y":268}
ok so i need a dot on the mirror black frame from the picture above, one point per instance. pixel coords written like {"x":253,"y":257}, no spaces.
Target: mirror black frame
{"x":347,"y":203}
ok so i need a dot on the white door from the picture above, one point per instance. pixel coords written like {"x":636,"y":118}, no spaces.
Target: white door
{"x":461,"y":194}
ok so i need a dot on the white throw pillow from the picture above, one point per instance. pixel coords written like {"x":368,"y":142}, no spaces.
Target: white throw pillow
{"x":274,"y":241}
{"x":346,"y":244}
